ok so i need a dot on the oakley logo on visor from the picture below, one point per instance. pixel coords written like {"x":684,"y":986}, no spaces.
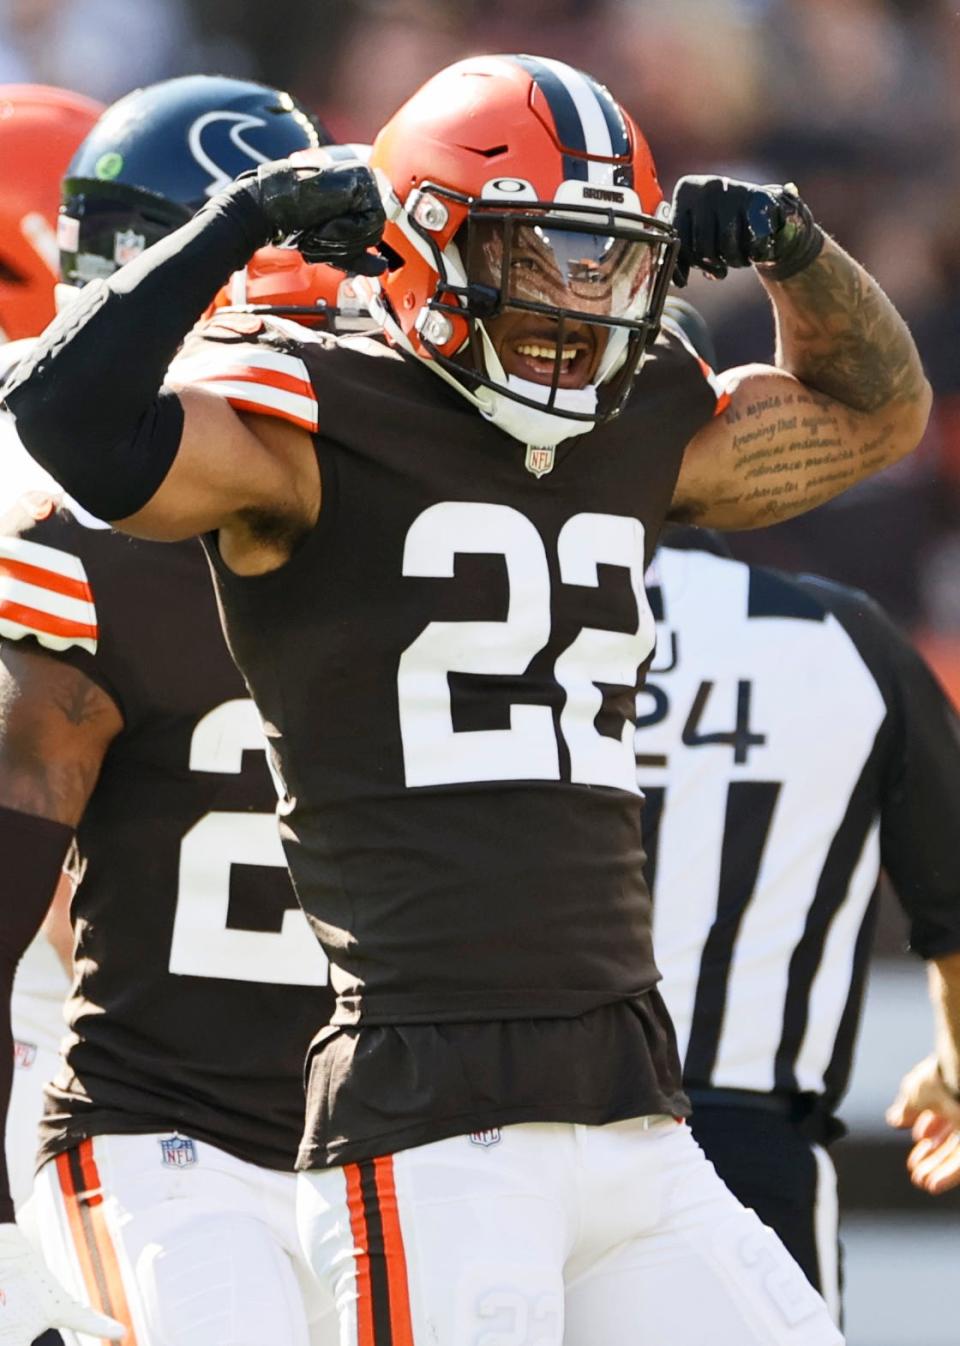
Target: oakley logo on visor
{"x":515,"y":188}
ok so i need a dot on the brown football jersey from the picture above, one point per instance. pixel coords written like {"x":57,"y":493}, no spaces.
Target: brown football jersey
{"x":198,"y":983}
{"x":447,"y":668}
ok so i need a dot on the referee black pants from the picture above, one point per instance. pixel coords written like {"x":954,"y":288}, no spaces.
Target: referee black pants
{"x":770,"y":1164}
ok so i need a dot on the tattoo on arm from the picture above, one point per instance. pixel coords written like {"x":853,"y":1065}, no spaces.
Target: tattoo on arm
{"x":849,"y":399}
{"x":77,"y":699}
{"x":55,"y":728}
{"x":791,"y":451}
{"x":839,"y":334}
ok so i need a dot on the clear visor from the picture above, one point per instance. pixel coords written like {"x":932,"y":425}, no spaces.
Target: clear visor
{"x":557,"y":265}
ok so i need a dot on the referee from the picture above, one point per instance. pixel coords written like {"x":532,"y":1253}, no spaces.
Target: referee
{"x":790,"y":743}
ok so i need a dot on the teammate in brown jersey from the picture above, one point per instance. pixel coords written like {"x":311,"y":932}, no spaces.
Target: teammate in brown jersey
{"x":40,"y":128}
{"x":173,"y":1120}
{"x":441,"y":616}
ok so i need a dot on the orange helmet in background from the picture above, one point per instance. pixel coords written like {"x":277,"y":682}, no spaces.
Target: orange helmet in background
{"x":40,"y":128}
{"x":280,"y":281}
{"x":494,"y":163}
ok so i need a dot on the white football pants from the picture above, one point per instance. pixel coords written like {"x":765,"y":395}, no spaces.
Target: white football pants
{"x":183,"y":1243}
{"x":39,"y":990}
{"x":542,"y":1234}
{"x":32,"y":1068}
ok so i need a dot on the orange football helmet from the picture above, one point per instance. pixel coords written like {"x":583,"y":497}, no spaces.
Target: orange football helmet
{"x":519,"y":183}
{"x":40,"y":128}
{"x":280,"y":280}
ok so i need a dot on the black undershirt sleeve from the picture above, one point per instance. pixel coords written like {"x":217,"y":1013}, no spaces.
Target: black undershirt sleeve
{"x":33,"y":851}
{"x":87,"y":401}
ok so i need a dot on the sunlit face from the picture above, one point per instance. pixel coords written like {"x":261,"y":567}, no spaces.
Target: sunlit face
{"x":528,"y":345}
{"x":557,"y":268}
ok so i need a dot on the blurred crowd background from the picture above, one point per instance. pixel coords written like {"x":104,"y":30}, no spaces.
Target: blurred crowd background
{"x":858,"y":101}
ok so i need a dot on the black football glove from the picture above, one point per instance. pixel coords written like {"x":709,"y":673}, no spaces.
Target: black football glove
{"x":331,"y":215}
{"x":724,"y":223}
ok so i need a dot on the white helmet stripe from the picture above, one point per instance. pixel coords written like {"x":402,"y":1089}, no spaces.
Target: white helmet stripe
{"x":596,"y":133}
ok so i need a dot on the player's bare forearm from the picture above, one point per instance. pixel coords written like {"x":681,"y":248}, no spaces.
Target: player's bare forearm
{"x":944,"y":975}
{"x":55,"y":728}
{"x":839,"y":334}
{"x":928,"y":1100}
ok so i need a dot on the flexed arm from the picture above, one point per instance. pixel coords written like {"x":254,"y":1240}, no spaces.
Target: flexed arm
{"x":88,"y":401}
{"x":847,"y":395}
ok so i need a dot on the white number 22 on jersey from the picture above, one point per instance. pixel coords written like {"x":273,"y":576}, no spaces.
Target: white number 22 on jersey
{"x":203,"y":945}
{"x":434,"y":753}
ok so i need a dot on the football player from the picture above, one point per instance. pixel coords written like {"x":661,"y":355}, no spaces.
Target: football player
{"x":429,"y":554}
{"x":40,"y":128}
{"x":790,"y":742}
{"x":166,"y":1196}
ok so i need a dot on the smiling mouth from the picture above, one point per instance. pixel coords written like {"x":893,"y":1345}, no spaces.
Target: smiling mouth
{"x":535,"y":358}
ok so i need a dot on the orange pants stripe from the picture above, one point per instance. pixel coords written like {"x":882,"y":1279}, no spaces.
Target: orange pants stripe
{"x":383,"y":1300}
{"x":80,"y":1188}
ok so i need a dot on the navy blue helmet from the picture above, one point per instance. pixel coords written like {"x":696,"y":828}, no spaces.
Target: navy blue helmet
{"x":158,"y":154}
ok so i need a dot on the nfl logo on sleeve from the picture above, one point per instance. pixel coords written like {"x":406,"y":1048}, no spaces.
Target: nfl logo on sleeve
{"x":178,"y":1151}
{"x":486,"y":1138}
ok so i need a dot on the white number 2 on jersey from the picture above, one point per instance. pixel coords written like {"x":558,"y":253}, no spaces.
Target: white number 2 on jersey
{"x":434,"y":753}
{"x":203,"y":945}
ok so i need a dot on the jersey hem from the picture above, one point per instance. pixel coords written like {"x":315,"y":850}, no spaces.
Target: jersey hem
{"x":382,"y":1010}
{"x":68,"y":1139}
{"x":336,"y":1155}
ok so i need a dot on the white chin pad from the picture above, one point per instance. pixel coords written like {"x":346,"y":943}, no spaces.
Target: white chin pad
{"x":530,"y":425}
{"x":582,"y":401}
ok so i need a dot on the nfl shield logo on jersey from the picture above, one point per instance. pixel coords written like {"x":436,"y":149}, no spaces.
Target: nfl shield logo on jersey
{"x":486,"y":1138}
{"x":178,"y":1151}
{"x":539,"y":461}
{"x":127,"y":244}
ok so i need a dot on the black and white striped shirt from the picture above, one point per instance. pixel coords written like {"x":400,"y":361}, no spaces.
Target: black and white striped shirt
{"x":789,"y":743}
